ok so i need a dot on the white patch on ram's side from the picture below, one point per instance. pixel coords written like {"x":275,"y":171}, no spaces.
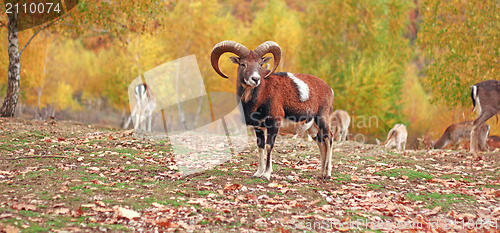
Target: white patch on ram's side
{"x":301,"y":86}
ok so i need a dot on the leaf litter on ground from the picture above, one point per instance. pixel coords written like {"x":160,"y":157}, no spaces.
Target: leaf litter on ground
{"x":108,"y":179}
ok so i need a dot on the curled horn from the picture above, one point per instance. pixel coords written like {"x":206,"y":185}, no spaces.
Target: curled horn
{"x":270,"y":47}
{"x":223,"y":47}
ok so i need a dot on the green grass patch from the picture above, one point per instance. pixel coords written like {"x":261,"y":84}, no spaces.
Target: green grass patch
{"x":7,"y":147}
{"x":203,"y":193}
{"x":491,"y":186}
{"x":257,"y":180}
{"x":28,"y":213}
{"x":126,"y":151}
{"x":400,"y":172}
{"x":457,"y":178}
{"x":175,"y":203}
{"x":437,"y":199}
{"x":76,"y":187}
{"x":375,"y":186}
{"x":35,"y":229}
{"x":343,"y":177}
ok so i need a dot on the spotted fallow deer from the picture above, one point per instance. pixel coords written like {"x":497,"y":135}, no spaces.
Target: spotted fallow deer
{"x":340,"y":121}
{"x":493,"y":142}
{"x":396,"y":137}
{"x":459,"y":132}
{"x":486,"y":101}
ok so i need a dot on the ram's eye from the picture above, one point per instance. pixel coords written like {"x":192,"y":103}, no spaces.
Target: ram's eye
{"x":243,"y":65}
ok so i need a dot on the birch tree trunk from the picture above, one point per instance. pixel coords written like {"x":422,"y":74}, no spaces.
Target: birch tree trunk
{"x":10,"y":102}
{"x":38,"y":115}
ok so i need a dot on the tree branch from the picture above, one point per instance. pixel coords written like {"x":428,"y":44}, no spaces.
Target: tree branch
{"x":40,"y":29}
{"x":73,"y":25}
{"x":2,"y":24}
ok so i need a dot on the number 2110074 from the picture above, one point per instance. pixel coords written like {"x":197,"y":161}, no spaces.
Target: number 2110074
{"x":33,"y":8}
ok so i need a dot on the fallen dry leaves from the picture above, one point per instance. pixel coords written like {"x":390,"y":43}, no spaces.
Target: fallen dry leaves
{"x":23,"y":206}
{"x":431,"y":188}
{"x":129,"y":214}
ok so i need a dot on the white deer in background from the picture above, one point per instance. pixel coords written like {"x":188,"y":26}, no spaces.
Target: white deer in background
{"x":145,"y":104}
{"x":339,"y":125}
{"x":396,"y":138}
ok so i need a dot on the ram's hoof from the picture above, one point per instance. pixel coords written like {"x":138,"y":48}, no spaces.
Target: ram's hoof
{"x":257,"y":175}
{"x":264,"y":175}
{"x":324,"y":177}
{"x":261,"y":176}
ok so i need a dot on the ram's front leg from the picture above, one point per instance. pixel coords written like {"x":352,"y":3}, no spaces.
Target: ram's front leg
{"x":261,"y":142}
{"x":325,"y":152}
{"x":328,"y":159}
{"x":272,"y":133}
{"x":325,"y":145}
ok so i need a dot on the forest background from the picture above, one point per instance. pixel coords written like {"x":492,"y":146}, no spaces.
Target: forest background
{"x":388,"y":61}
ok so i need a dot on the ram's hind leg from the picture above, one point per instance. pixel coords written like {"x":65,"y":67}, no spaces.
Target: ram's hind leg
{"x":261,"y":142}
{"x":316,"y":136}
{"x":322,"y":152}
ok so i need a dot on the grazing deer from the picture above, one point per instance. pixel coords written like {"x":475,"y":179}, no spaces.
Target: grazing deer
{"x":396,"y":138}
{"x":426,"y":142}
{"x":459,"y":132}
{"x":145,"y":103}
{"x":486,"y":101}
{"x":339,"y":125}
{"x":493,"y":142}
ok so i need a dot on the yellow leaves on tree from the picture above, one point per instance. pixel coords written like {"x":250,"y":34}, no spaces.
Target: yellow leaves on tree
{"x":194,"y":27}
{"x":63,"y":96}
{"x":279,"y":23}
{"x":461,"y":40}
{"x":360,"y":49}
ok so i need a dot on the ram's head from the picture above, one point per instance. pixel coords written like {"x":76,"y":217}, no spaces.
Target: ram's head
{"x":250,"y":70}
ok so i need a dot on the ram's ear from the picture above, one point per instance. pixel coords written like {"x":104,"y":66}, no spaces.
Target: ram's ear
{"x":235,"y":60}
{"x":265,"y":60}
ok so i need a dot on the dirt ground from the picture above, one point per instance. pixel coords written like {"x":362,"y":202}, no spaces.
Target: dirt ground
{"x":60,"y":176}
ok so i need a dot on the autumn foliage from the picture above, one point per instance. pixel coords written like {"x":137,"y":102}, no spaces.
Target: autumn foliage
{"x":387,"y":61}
